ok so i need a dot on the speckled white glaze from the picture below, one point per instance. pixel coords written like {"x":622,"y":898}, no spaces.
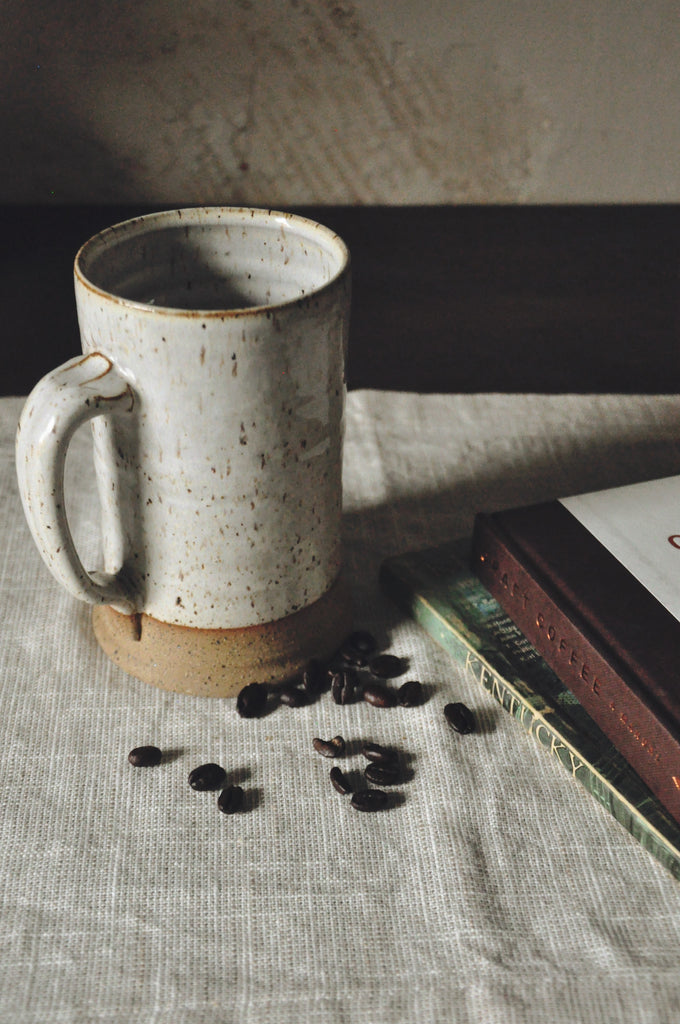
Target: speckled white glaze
{"x":214,"y":348}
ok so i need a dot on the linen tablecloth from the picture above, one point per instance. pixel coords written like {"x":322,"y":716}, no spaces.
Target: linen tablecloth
{"x":494,"y":890}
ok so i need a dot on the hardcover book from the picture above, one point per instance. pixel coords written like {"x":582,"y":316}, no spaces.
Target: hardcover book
{"x":439,"y":590}
{"x":593,"y":582}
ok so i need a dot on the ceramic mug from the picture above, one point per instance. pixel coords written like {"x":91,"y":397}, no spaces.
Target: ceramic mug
{"x":214,"y":344}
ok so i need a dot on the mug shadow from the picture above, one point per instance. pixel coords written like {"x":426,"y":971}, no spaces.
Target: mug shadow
{"x":429,"y":518}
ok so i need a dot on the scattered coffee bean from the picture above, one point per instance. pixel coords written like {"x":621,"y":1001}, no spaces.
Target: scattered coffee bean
{"x":353,"y":658}
{"x":145,"y":757}
{"x":343,"y":686}
{"x":382,"y":774}
{"x":379,"y":696}
{"x":314,"y":677}
{"x":361,"y":640}
{"x":292,"y":696}
{"x":340,"y":781}
{"x":410,"y":694}
{"x":329,"y":748}
{"x":386,"y":666}
{"x":252,"y":700}
{"x":460,"y":717}
{"x":381,"y":755}
{"x":207,"y":776}
{"x":370,"y":800}
{"x":230,"y":800}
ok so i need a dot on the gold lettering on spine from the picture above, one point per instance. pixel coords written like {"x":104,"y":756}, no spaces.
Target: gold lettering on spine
{"x":497,"y":691}
{"x":556,"y":746}
{"x":539,"y":729}
{"x":513,"y":704}
{"x":471,"y":663}
{"x":495,"y":686}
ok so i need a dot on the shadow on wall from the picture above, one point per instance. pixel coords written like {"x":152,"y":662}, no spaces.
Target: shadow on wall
{"x":54,"y":149}
{"x":258,"y":102}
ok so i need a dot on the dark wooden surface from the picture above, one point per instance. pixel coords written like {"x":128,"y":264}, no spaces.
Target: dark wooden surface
{"x":445,"y":298}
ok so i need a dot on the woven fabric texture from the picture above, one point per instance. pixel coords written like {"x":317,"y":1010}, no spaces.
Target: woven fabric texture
{"x":494,"y":889}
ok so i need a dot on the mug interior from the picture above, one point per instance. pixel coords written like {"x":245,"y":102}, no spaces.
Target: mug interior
{"x":216,"y":259}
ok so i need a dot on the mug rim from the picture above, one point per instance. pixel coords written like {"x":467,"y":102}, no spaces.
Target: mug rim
{"x":205,"y":214}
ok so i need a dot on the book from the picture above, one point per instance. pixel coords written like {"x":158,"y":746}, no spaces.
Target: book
{"x":592,"y":582}
{"x":437,"y":587}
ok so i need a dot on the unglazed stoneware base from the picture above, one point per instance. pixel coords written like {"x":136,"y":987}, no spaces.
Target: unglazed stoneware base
{"x":219,"y":662}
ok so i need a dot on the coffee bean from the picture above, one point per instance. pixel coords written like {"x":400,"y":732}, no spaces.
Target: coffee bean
{"x":314,"y":677}
{"x":207,"y":776}
{"x":353,"y":658}
{"x":382,"y":774}
{"x":230,"y":800}
{"x":329,"y":748}
{"x":386,"y":666}
{"x":381,"y":755}
{"x":292,"y":696}
{"x":343,"y":686}
{"x":459,"y":717}
{"x":370,"y":800}
{"x":145,"y":757}
{"x":379,"y":696}
{"x":361,"y":640}
{"x":252,"y":700}
{"x":411,"y":694}
{"x":340,"y":781}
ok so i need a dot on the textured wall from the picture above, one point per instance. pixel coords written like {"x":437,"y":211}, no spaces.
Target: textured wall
{"x":284,"y":101}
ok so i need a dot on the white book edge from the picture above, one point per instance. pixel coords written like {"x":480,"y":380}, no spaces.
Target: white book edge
{"x":640,"y":525}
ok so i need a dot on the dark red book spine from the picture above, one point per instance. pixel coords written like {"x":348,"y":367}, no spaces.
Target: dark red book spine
{"x":642,"y":730}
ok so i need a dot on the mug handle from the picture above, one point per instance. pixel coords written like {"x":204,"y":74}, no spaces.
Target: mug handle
{"x":80,"y":389}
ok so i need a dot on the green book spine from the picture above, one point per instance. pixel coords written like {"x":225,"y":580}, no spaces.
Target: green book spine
{"x":438,"y":589}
